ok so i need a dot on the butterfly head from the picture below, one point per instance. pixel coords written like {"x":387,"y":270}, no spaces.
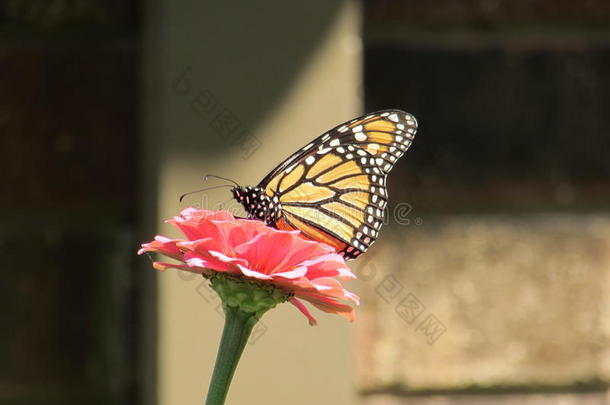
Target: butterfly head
{"x":258,"y":204}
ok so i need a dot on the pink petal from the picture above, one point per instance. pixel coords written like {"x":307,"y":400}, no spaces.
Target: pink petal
{"x":199,"y":245}
{"x":161,"y":266}
{"x":253,"y":273}
{"x":214,"y":261}
{"x":291,"y":274}
{"x":302,"y":250}
{"x":328,"y":305}
{"x":275,"y":251}
{"x":163,"y":245}
{"x":333,"y":288}
{"x":304,"y":311}
{"x":265,"y":252}
{"x":196,"y":224}
{"x":251,"y":228}
{"x":329,"y":265}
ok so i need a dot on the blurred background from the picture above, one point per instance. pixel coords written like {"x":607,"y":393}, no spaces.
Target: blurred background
{"x":488,"y":285}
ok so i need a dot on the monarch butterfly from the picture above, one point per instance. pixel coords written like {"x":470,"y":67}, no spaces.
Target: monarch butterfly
{"x":333,"y":190}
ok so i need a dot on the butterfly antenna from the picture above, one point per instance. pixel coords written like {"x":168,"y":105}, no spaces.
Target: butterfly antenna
{"x":203,"y":189}
{"x":207,"y":176}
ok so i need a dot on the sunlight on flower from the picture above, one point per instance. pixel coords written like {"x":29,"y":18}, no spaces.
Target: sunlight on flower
{"x":218,"y":242}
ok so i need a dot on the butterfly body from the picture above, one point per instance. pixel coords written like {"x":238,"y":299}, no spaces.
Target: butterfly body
{"x":258,"y":204}
{"x":333,"y":190}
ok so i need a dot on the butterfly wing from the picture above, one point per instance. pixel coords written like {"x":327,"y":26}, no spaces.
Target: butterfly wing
{"x":334,"y":189}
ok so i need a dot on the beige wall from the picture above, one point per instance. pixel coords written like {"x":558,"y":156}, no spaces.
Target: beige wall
{"x":488,"y":302}
{"x":284,"y":82}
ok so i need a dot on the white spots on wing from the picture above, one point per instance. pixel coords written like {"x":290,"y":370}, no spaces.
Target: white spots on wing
{"x":335,"y":142}
{"x":360,"y":152}
{"x":362,"y":160}
{"x":392,"y":149}
{"x":379,"y":161}
{"x":385,"y":114}
{"x":387,"y":167}
{"x":350,"y":148}
{"x":310,"y":160}
{"x":358,"y":128}
{"x":308,"y":146}
{"x":374,"y":178}
{"x":399,"y":138}
{"x":393,"y":117}
{"x":326,"y":137}
{"x":343,"y":128}
{"x":375,"y":198}
{"x":400,"y":126}
{"x":341,"y":149}
{"x":411,"y":120}
{"x":323,"y":151}
{"x":373,"y":148}
{"x":360,"y":137}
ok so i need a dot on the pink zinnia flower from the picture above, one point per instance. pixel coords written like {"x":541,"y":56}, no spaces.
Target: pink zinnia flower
{"x":218,"y":242}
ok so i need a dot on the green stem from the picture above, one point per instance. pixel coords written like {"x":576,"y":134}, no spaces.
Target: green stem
{"x":244,"y":302}
{"x":238,"y":325}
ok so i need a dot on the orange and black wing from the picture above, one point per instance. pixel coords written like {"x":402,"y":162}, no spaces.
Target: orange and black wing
{"x":334,"y":189}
